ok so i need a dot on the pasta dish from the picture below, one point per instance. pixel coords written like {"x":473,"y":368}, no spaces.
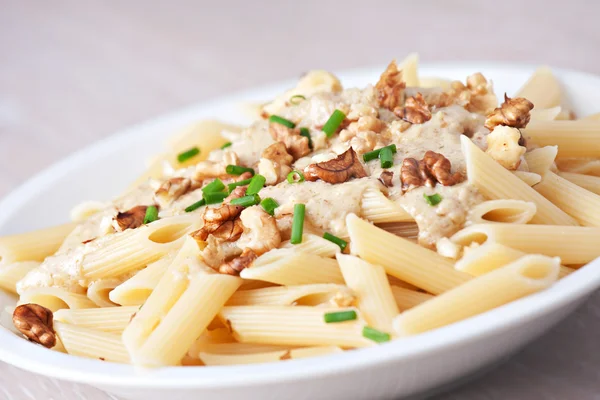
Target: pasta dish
{"x":341,"y":218}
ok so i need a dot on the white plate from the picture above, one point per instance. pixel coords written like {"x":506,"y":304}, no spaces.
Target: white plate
{"x":395,"y":369}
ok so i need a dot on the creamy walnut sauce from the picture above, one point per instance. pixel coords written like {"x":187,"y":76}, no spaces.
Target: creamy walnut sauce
{"x":368,"y":126}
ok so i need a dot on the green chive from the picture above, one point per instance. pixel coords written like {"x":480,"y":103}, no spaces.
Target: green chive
{"x":195,"y":206}
{"x":298,"y":224}
{"x":226,"y":145}
{"x":297,"y":99}
{"x":295,"y":177}
{"x":333,"y":123}
{"x":246,"y":201}
{"x":280,"y":120}
{"x":237,"y":170}
{"x":151,"y":214}
{"x":433,"y":200}
{"x":306,"y":133}
{"x":340,"y":242}
{"x":375,"y":153}
{"x":215,"y":186}
{"x":186,"y":155}
{"x":257,"y":182}
{"x":375,"y":335}
{"x":233,"y":185}
{"x":340,"y":316}
{"x":214,"y":197}
{"x":269,"y":205}
{"x":386,"y":157}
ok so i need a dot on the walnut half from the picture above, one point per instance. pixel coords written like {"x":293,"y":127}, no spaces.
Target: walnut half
{"x":130,"y":219}
{"x":415,"y":110}
{"x":390,"y":87}
{"x":235,"y":266}
{"x":339,"y":170}
{"x":36,"y":323}
{"x":295,"y":144}
{"x":433,"y":168}
{"x":513,"y":112}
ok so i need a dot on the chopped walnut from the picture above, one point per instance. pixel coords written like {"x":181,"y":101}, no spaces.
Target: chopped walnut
{"x":36,"y":323}
{"x":343,"y":298}
{"x":479,"y":95}
{"x":235,"y":266}
{"x":433,"y":168}
{"x":275,"y":163}
{"x":130,"y":219}
{"x":390,"y":87}
{"x":386,"y":178}
{"x":339,"y":170}
{"x":369,"y":123}
{"x":174,"y":188}
{"x":260,"y":231}
{"x":415,"y":110}
{"x":513,"y":112}
{"x":504,"y":146}
{"x":295,"y":144}
{"x":223,"y":222}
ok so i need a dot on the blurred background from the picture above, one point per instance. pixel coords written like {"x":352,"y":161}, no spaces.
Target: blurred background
{"x":72,"y":72}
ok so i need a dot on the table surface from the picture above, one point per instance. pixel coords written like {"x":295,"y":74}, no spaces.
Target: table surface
{"x":72,"y":72}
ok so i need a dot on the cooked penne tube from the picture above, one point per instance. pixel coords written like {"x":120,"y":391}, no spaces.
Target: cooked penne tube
{"x":409,"y":67}
{"x":285,"y":295}
{"x":430,"y":82}
{"x":502,"y":211}
{"x":578,"y":202}
{"x":10,"y":274}
{"x":586,"y":166}
{"x":407,"y":230}
{"x":573,"y":244}
{"x":546,"y":114}
{"x":542,"y":89}
{"x":377,"y":208}
{"x":592,"y":117}
{"x":403,"y":259}
{"x":579,"y":138}
{"x":239,"y":359}
{"x":86,"y":342}
{"x":33,"y":246}
{"x":313,"y":244}
{"x":290,"y":267}
{"x":529,"y":178}
{"x":525,"y":276}
{"x":495,"y":182}
{"x":99,"y":291}
{"x":374,"y":297}
{"x":541,"y":160}
{"x":56,"y":298}
{"x":109,"y":319}
{"x":292,"y":325}
{"x":588,"y":182}
{"x":407,"y":298}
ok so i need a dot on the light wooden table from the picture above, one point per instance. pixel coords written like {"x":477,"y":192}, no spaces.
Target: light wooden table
{"x":75,"y":71}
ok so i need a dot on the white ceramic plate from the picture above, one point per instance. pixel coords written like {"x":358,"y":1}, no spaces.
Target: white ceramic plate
{"x":400,"y":368}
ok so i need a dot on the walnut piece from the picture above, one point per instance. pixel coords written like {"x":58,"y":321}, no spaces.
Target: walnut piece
{"x":130,"y":219}
{"x":275,"y":163}
{"x":433,"y":168}
{"x":415,"y":110}
{"x":235,"y":266}
{"x":260,"y":230}
{"x":222,"y":222}
{"x":476,"y":96}
{"x":390,"y":87}
{"x":36,"y":323}
{"x":504,"y":146}
{"x":386,"y":178}
{"x":513,"y":112}
{"x":338,"y":170}
{"x":295,"y":144}
{"x":174,"y":188}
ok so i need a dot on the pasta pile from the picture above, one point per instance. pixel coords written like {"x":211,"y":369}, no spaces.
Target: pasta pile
{"x":340,"y":219}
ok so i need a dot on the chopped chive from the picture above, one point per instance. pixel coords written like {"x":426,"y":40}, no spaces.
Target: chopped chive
{"x":298,"y":223}
{"x":340,"y":316}
{"x":186,"y":155}
{"x":214,"y":197}
{"x":295,"y":177}
{"x":237,"y":170}
{"x":386,"y":157}
{"x":375,"y":335}
{"x":340,"y":242}
{"x":151,"y":214}
{"x":215,"y":186}
{"x":375,"y":153}
{"x":256,"y":183}
{"x":297,"y":99}
{"x":280,"y":120}
{"x":433,"y":200}
{"x":269,"y":205}
{"x":246,"y":201}
{"x":306,"y":133}
{"x":333,"y":123}
{"x":195,"y":206}
{"x":233,"y":185}
{"x":226,"y":145}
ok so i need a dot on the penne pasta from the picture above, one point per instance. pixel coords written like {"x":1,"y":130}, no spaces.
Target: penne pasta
{"x":10,"y":274}
{"x":502,"y":211}
{"x":86,"y":342}
{"x":33,"y":246}
{"x":313,"y":244}
{"x":377,"y":208}
{"x":428,"y":82}
{"x":409,"y":67}
{"x":56,"y":298}
{"x":407,"y":230}
{"x":574,"y":138}
{"x":495,"y":182}
{"x":592,"y":117}
{"x":239,"y":359}
{"x":110,"y":319}
{"x":542,"y":89}
{"x":528,"y":177}
{"x":546,"y":114}
{"x":99,"y":291}
{"x":407,"y":298}
{"x":374,"y":297}
{"x":286,"y":295}
{"x":588,"y":182}
{"x":541,"y":160}
{"x":403,"y":259}
{"x":525,"y":276}
{"x":584,"y":166}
